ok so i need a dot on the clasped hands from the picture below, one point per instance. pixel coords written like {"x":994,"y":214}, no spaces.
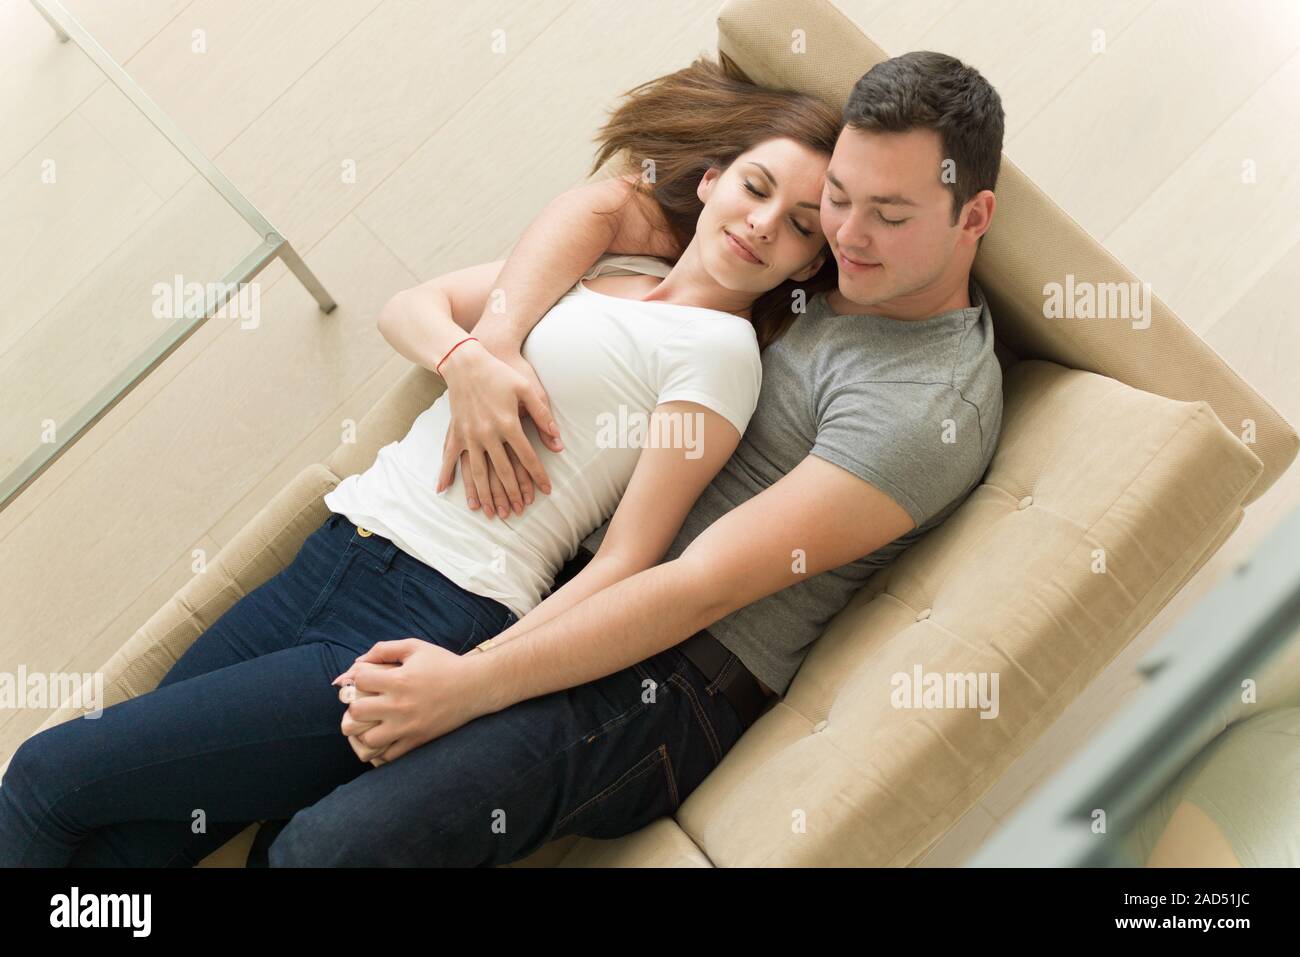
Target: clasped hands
{"x":402,"y":694}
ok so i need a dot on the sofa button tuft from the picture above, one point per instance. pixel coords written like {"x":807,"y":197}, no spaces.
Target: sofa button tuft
{"x":1025,"y":502}
{"x":923,"y":614}
{"x":820,"y":726}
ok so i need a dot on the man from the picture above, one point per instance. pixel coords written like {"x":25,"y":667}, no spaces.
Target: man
{"x":880,"y":410}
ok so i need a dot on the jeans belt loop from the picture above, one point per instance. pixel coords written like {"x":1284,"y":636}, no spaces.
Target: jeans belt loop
{"x":710,"y":656}
{"x":383,"y":549}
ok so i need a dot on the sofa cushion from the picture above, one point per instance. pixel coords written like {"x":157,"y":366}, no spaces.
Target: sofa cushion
{"x":1100,"y":501}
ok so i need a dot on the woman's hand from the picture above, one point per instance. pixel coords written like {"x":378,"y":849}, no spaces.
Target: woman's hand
{"x":393,"y":710}
{"x":490,"y":389}
{"x":353,"y":729}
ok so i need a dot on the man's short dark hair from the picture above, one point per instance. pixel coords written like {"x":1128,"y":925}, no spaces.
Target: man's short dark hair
{"x":930,"y":90}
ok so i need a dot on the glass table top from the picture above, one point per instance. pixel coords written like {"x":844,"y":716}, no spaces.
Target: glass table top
{"x":117,"y":239}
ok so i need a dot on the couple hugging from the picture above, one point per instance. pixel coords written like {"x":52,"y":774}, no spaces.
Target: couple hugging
{"x":511,"y":629}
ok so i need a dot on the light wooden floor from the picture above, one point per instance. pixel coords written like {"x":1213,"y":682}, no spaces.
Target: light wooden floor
{"x":455,"y":147}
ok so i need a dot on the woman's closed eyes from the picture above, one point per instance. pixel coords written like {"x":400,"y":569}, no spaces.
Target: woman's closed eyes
{"x":802,"y":232}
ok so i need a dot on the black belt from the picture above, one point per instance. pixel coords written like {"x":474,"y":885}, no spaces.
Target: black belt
{"x":738,"y":684}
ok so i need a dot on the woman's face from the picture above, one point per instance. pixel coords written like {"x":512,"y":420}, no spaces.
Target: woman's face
{"x":766,"y":203}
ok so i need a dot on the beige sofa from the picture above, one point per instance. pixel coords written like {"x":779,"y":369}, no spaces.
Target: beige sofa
{"x":1119,"y":443}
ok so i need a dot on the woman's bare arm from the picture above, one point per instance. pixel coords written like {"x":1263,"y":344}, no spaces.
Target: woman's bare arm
{"x":565,"y":240}
{"x":424,"y":322}
{"x":561,"y":244}
{"x":489,"y":381}
{"x":427,"y":324}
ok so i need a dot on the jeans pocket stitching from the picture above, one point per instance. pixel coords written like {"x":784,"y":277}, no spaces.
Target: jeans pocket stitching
{"x":477,"y":635}
{"x":445,"y":594}
{"x":639,"y":770}
{"x":331,"y":585}
{"x":700,"y":715}
{"x":617,"y":721}
{"x":672,"y":781}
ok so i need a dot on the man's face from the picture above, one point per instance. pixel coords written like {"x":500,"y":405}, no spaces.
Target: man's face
{"x":875,"y":178}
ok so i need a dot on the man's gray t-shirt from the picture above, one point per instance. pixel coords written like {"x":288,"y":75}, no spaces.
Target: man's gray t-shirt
{"x":912,"y":407}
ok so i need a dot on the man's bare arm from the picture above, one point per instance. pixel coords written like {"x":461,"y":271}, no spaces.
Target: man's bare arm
{"x":665,"y":484}
{"x":818,"y":511}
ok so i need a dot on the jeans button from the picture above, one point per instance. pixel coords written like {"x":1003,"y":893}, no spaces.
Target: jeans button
{"x":364,"y":532}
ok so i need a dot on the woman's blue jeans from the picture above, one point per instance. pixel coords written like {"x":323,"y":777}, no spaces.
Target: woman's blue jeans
{"x":246,"y":728}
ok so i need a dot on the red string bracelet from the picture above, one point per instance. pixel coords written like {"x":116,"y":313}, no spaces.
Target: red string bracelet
{"x":453,"y":349}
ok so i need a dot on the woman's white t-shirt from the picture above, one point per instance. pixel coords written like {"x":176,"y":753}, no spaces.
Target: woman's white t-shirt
{"x":605,"y":363}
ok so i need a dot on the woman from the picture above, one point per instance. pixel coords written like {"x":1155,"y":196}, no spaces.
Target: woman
{"x":245,"y":727}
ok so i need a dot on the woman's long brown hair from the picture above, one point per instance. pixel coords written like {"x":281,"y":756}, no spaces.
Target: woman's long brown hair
{"x":706,"y":115}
